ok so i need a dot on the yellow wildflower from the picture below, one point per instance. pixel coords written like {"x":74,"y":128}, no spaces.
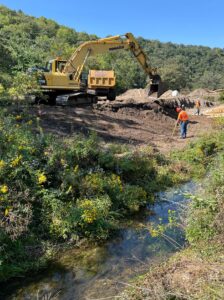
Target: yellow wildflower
{"x":6,"y":212}
{"x":154,"y":232}
{"x":4,"y":189}
{"x":89,"y":214}
{"x":30,"y":122}
{"x":2,"y":164}
{"x":16,"y":161}
{"x":18,"y":117}
{"x":42,"y":178}
{"x":63,"y":162}
{"x":76,"y":169}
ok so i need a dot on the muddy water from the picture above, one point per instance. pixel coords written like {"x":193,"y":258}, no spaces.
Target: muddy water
{"x":104,"y":271}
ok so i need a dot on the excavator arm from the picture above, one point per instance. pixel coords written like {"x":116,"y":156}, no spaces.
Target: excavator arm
{"x":142,"y":58}
{"x":76,"y":62}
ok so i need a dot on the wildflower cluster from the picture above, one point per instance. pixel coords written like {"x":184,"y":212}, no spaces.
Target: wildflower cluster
{"x":4,"y":189}
{"x":89,"y":211}
{"x":16,"y":161}
{"x":42,"y":178}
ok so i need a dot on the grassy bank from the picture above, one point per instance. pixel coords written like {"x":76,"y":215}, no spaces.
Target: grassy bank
{"x":198,"y":271}
{"x":58,"y":191}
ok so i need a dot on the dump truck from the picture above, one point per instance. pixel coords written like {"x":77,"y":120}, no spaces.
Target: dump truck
{"x":64,"y":81}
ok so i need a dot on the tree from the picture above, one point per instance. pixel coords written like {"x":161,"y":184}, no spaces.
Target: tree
{"x":174,"y":75}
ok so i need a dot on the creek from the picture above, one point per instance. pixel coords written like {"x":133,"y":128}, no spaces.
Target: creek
{"x":103,"y":271}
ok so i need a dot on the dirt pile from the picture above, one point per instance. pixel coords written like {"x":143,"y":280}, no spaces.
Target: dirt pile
{"x":167,"y":103}
{"x":205,"y":94}
{"x":136,"y":101}
{"x":207,"y":97}
{"x":215,"y":112}
{"x":135,"y":94}
{"x":137,"y":108}
{"x":170,"y":94}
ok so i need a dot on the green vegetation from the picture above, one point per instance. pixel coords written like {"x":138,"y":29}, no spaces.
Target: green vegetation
{"x":221,"y":97}
{"x":26,"y":41}
{"x":196,"y":272}
{"x":53,"y":191}
{"x":205,"y":222}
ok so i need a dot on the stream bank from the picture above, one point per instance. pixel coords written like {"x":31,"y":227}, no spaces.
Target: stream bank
{"x":105,"y":270}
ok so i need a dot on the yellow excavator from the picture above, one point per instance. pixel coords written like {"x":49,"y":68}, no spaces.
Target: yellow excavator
{"x":63,"y":81}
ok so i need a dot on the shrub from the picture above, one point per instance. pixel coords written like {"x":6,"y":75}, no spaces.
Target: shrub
{"x":133,"y":197}
{"x":221,"y":97}
{"x":53,"y":190}
{"x":207,"y":211}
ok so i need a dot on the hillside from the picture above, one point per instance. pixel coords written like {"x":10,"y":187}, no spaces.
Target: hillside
{"x":27,"y":41}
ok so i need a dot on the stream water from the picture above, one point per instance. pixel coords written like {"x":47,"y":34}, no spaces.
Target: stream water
{"x":104,"y":271}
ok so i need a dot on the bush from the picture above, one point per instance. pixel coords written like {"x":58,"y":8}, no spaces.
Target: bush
{"x":207,"y":211}
{"x":221,"y":97}
{"x":62,"y":190}
{"x":133,"y":197}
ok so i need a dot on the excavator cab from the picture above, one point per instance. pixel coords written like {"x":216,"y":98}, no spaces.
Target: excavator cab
{"x":55,"y":65}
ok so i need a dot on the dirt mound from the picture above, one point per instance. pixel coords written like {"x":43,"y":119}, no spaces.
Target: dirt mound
{"x":138,"y":108}
{"x":136,"y":94}
{"x":170,"y":98}
{"x":205,"y":94}
{"x":142,"y":95}
{"x":215,"y":112}
{"x":170,"y":94}
{"x":136,"y":103}
{"x":156,"y":106}
{"x":199,"y":93}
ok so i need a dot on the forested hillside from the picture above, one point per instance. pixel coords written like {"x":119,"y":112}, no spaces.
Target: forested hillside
{"x":27,"y":41}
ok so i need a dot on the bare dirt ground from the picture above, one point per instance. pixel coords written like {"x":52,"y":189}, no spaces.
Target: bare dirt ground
{"x":133,"y":118}
{"x":130,"y":127}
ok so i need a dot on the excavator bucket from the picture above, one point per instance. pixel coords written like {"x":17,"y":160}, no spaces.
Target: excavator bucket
{"x":155,"y":87}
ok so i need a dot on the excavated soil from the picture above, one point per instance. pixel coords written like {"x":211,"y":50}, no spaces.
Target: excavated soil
{"x":133,"y":118}
{"x":215,"y":112}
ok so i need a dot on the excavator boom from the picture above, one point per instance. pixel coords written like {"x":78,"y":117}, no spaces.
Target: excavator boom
{"x":77,"y":61}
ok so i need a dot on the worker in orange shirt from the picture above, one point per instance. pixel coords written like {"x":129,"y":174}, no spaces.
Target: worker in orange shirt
{"x":197,"y":106}
{"x":183,"y":120}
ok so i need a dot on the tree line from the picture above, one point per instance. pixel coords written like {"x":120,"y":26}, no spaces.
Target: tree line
{"x":26,"y":41}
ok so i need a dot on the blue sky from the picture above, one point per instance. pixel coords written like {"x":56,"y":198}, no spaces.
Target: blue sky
{"x":184,"y":22}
